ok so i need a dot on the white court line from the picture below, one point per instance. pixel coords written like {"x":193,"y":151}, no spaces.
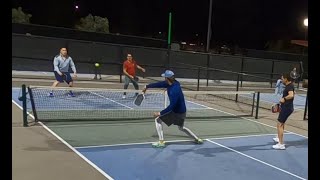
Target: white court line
{"x":69,"y":146}
{"x":111,"y":100}
{"x":205,"y":107}
{"x":255,"y":135}
{"x":128,"y":144}
{"x":255,"y":159}
{"x":142,"y":143}
{"x":113,"y":123}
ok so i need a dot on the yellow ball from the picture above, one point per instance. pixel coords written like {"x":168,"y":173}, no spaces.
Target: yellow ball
{"x":97,"y":64}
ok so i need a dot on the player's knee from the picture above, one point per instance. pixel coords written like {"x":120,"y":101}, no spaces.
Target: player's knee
{"x":158,"y":120}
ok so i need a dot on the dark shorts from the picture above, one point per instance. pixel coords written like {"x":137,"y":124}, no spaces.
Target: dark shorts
{"x":173,"y":118}
{"x":127,"y":80}
{"x":65,"y":77}
{"x":284,"y":114}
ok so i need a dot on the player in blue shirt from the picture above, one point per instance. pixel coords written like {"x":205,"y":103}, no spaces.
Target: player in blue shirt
{"x":175,"y":113}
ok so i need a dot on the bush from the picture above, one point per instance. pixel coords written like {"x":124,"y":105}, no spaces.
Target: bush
{"x":93,"y":24}
{"x":18,"y":16}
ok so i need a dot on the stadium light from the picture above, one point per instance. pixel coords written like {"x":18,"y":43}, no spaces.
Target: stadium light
{"x":305,"y":22}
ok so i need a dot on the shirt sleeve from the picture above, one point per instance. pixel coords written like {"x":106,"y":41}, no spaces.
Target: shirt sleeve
{"x":56,"y":65}
{"x":125,"y":66}
{"x":161,"y":84}
{"x":278,"y":83}
{"x":73,"y":67}
{"x":291,"y":88}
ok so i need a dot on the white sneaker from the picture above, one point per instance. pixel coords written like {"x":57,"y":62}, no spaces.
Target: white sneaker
{"x":279,"y":146}
{"x":124,"y":96}
{"x":276,"y":139}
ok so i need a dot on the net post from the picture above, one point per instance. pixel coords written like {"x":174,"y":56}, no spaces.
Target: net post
{"x":33,"y":105}
{"x":306,"y":107}
{"x":24,"y":105}
{"x":198,"y":79}
{"x":257,"y":107}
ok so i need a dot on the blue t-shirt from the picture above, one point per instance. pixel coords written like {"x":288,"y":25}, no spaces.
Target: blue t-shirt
{"x":176,"y":97}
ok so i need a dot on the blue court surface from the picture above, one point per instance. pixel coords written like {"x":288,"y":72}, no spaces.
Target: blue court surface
{"x":230,"y":158}
{"x":248,"y":157}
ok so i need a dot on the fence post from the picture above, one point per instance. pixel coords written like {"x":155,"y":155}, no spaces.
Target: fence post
{"x":271,"y":75}
{"x":237,"y":88}
{"x":120,"y":68}
{"x":198,"y":79}
{"x":306,"y":107}
{"x":301,"y":73}
{"x":241,"y":69}
{"x":254,"y":98}
{"x":208,"y":65}
{"x":257,"y":107}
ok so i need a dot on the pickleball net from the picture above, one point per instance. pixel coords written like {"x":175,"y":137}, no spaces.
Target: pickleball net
{"x":96,"y":104}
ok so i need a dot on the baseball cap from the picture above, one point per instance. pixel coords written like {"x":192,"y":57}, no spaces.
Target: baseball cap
{"x":167,"y":74}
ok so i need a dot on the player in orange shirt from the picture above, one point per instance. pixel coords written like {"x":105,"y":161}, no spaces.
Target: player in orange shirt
{"x":129,"y":70}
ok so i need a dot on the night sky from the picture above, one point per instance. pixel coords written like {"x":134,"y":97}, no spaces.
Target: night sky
{"x":248,"y":23}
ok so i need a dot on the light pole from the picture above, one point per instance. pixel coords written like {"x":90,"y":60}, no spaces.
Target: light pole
{"x":209,"y":35}
{"x":305,"y":23}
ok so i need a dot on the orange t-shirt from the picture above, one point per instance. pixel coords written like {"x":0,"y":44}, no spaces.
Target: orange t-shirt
{"x":130,"y":66}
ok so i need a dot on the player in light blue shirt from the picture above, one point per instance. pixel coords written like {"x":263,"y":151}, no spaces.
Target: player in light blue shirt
{"x":279,"y":87}
{"x":61,"y":64}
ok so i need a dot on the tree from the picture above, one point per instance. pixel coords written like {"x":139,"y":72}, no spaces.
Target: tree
{"x":18,"y":16}
{"x":93,"y":24}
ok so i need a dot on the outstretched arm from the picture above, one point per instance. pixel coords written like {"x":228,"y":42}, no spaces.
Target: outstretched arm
{"x":141,"y":68}
{"x":161,"y":84}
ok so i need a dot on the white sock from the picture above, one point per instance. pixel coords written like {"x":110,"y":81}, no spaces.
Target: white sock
{"x":188,"y":132}
{"x":159,"y":128}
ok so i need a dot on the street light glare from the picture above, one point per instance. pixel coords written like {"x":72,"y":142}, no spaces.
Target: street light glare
{"x":77,"y":7}
{"x":305,"y":22}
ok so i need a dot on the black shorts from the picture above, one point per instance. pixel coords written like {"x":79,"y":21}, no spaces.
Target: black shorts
{"x":173,"y":118}
{"x":284,"y":114}
{"x":65,"y":77}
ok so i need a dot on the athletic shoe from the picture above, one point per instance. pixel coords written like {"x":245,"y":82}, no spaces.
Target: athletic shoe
{"x":279,"y":146}
{"x":158,"y":145}
{"x":276,"y":139}
{"x":198,"y":141}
